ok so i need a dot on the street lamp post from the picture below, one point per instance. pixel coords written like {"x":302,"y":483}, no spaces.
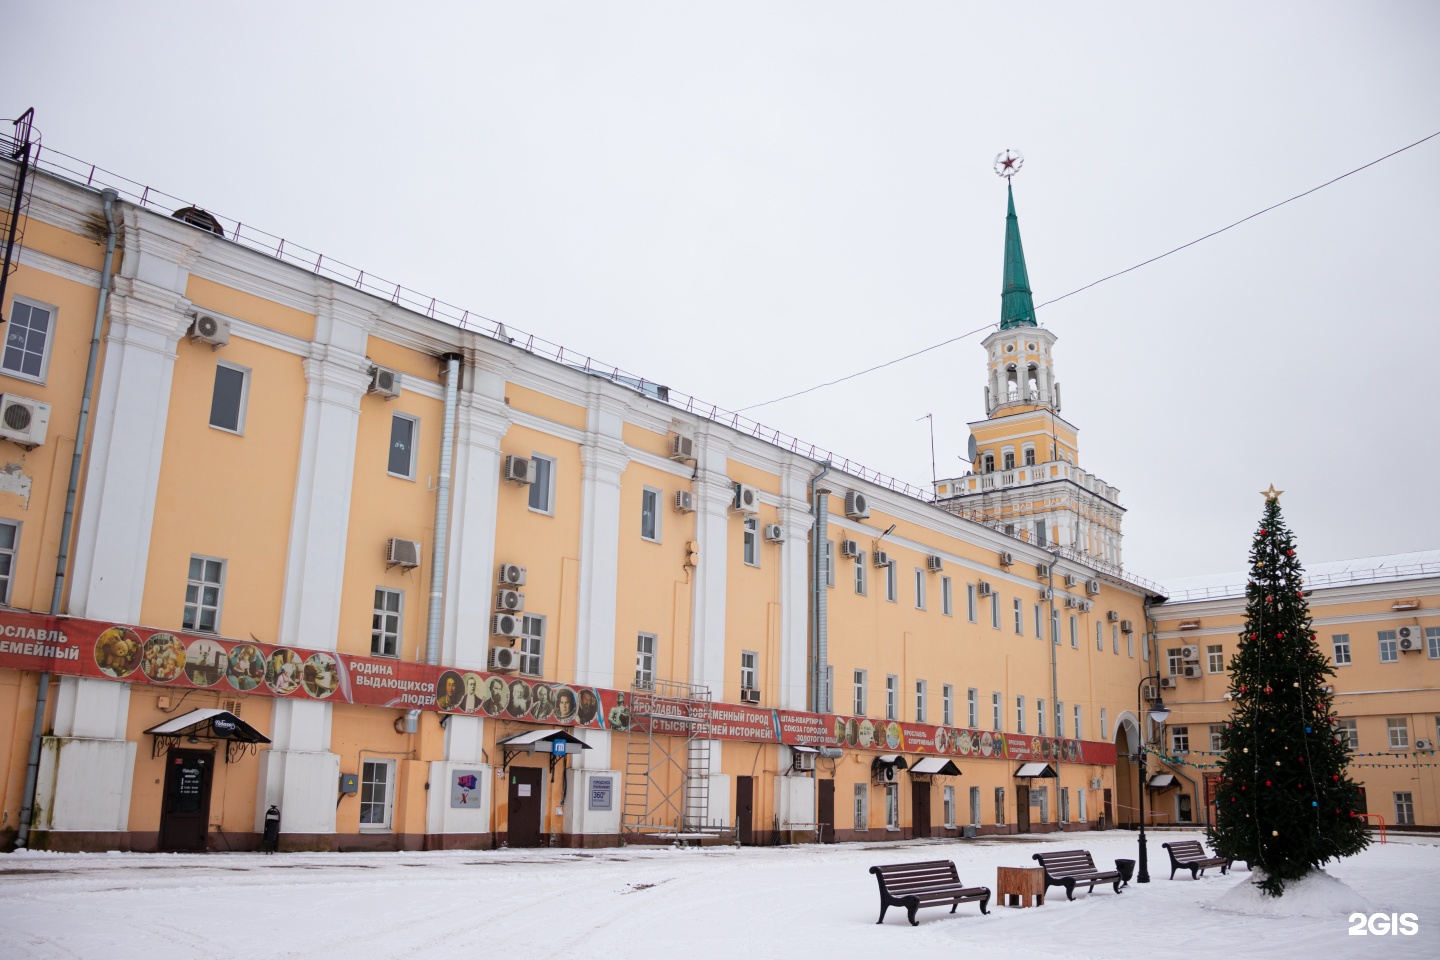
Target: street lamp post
{"x":1157,"y":713}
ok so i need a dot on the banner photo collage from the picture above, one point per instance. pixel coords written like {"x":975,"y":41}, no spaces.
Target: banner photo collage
{"x":71,"y":646}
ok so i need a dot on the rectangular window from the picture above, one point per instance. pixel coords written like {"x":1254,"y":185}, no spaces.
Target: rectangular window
{"x":203,"y":595}
{"x":892,"y":697}
{"x":1173,"y":661}
{"x":532,"y":645}
{"x":1040,"y":797}
{"x":1064,"y":804}
{"x":1432,"y":642}
{"x":1080,"y":792}
{"x":829,"y":689}
{"x":1000,"y":806}
{"x":892,"y":588}
{"x":970,"y":603}
{"x":1341,"y":644}
{"x":1079,"y":727}
{"x":645,"y":660}
{"x":27,"y":340}
{"x":1039,"y":623}
{"x":1180,"y":739}
{"x":542,"y":491}
{"x":1074,"y":632}
{"x":919,"y":589}
{"x":1404,"y":808}
{"x":377,"y":778}
{"x":972,"y":708}
{"x":1115,"y":640}
{"x":1019,"y":714}
{"x":975,"y":806}
{"x":1055,"y":626}
{"x":1040,"y":716}
{"x":1349,"y":731}
{"x":9,"y":543}
{"x":1389,"y":648}
{"x":1130,"y":645}
{"x":860,"y":585}
{"x":995,"y":611}
{"x":1217,"y":738}
{"x":1104,"y":725}
{"x":862,"y":806}
{"x":947,"y":598}
{"x":860,"y":683}
{"x":949,"y":806}
{"x":1215,"y":658}
{"x":1019,"y":606}
{"x":892,"y":806}
{"x":947,"y":705}
{"x":829,"y":563}
{"x":751,"y":544}
{"x":1399,"y":730}
{"x":227,"y":400}
{"x":749,"y":673}
{"x":995,"y":711}
{"x":1059,"y":718}
{"x":1099,"y":638}
{"x":920,"y":698}
{"x":650,"y":514}
{"x":385,"y":624}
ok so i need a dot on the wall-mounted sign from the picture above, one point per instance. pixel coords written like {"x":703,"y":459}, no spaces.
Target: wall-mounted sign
{"x":602,"y":793}
{"x":465,"y":789}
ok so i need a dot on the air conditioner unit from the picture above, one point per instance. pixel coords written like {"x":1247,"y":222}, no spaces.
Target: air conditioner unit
{"x":519,"y":469}
{"x":857,"y":506}
{"x":504,"y":659}
{"x":385,"y":382}
{"x":803,"y":760}
{"x":1046,"y":594}
{"x":774,"y":533}
{"x":1151,"y":691}
{"x":1190,"y":653}
{"x":1072,"y":602}
{"x":684,"y":501}
{"x":1411,"y":638}
{"x":24,"y":420}
{"x":402,"y":553}
{"x":1092,"y":587}
{"x":509,"y":601}
{"x":1192,"y":671}
{"x":983,"y":589}
{"x":1167,"y":683}
{"x":882,"y":559}
{"x":212,"y":330}
{"x":849,"y":548}
{"x":512,"y":575}
{"x":1423,"y":745}
{"x":750,"y":695}
{"x":934,"y":564}
{"x":1085,"y":606}
{"x":682,"y":448}
{"x":1112,"y":616}
{"x":1127,"y":626}
{"x":747,"y":499}
{"x":506,"y":625}
{"x":1071,"y":579}
{"x":1096,"y":783}
{"x":1006,"y":559}
{"x":1042,"y":571}
{"x":887,"y":774}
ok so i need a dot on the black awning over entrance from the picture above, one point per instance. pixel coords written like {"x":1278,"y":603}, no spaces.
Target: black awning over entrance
{"x":207,"y":723}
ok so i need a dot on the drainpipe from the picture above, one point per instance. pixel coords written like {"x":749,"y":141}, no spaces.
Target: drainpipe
{"x":62,"y":559}
{"x":1054,"y":668}
{"x":818,"y":604}
{"x":442,"y":526}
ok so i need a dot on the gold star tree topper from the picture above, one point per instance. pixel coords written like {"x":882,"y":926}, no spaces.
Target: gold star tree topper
{"x":1272,"y":494}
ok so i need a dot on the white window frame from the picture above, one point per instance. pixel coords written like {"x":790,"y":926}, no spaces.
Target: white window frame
{"x":387,"y":805}
{"x":1019,"y":607}
{"x":1180,"y":739}
{"x":862,"y":581}
{"x":995,"y":610}
{"x":749,"y":670}
{"x":862,"y":806}
{"x":1075,"y":632}
{"x":861,"y":691}
{"x":892,"y":806}
{"x":892,"y":697}
{"x":1054,"y":624}
{"x":1397,"y":730}
{"x":1104,"y":725}
{"x":1115,"y":639}
{"x":1432,"y":642}
{"x":1404,"y":808}
{"x":947,"y":705}
{"x":1079,"y":722}
{"x":1215,"y":658}
{"x":919,"y":589}
{"x":656,"y":498}
{"x":1130,"y":645}
{"x":1080,"y":794}
{"x":947,"y":597}
{"x":975,"y":806}
{"x":1174,"y":665}
{"x":1351,"y":729}
{"x":379,"y":636}
{"x":1099,"y":637}
{"x":45,"y":351}
{"x":892,"y":584}
{"x":645,"y":644}
{"x":1040,"y":723}
{"x":972,"y":708}
{"x":10,"y":555}
{"x":200,"y":586}
{"x":1019,"y":713}
{"x":1039,"y":622}
{"x":1340,"y":644}
{"x":750,"y":541}
{"x":549,"y":487}
{"x":239,"y":430}
{"x":971,"y":613}
{"x":1217,"y":738}
{"x":532,"y":645}
{"x":997,"y":709}
{"x":1389,"y":646}
{"x":949,"y":803}
{"x":922,"y":697}
{"x":1064,"y":804}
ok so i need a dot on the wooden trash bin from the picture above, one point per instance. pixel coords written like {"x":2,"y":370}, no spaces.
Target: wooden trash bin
{"x":1015,"y":886}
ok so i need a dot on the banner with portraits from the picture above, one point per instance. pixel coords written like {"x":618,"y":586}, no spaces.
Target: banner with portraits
{"x":70,"y":646}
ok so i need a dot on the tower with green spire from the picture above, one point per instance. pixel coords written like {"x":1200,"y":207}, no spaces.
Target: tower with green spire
{"x":1017,"y":309}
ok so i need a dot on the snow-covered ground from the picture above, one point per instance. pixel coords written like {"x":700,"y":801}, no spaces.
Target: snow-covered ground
{"x":641,"y":902}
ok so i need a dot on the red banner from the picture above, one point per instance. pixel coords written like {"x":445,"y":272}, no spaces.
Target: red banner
{"x":90,"y":648}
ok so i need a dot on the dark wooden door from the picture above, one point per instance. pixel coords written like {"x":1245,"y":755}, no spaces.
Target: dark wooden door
{"x":920,"y":808}
{"x":825,"y":805}
{"x":524,"y":826}
{"x":1109,"y":808}
{"x":745,"y":809}
{"x":1022,"y":809}
{"x":185,"y":816}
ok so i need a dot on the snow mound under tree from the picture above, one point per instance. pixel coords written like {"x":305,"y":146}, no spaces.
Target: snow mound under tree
{"x":1317,"y":894}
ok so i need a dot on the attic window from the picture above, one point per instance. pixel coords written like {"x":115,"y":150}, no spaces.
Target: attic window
{"x":199,"y":218}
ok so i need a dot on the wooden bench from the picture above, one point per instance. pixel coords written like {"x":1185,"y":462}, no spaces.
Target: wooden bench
{"x":1070,"y":867}
{"x":932,"y":883}
{"x":1189,"y":854}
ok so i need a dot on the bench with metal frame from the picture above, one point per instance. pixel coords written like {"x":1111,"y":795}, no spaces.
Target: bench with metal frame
{"x":931,"y":883}
{"x":1191,"y":855}
{"x":1069,"y":868}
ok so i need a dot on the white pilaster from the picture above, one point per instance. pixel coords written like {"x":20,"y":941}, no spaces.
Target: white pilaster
{"x":603,"y":459}
{"x":796,"y":520}
{"x":464,"y":756}
{"x":714,"y":494}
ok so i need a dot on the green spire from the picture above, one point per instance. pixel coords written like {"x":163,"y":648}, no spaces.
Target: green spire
{"x":1016,"y":307}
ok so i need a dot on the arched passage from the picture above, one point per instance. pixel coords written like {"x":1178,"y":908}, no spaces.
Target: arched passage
{"x":1127,"y":771}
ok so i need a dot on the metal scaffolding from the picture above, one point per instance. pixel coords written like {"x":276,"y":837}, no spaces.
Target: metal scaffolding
{"x":667,"y":764}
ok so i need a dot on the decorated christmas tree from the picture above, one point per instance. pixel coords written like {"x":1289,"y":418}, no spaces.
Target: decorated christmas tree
{"x":1285,"y":802}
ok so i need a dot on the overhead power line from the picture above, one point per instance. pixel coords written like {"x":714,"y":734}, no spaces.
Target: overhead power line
{"x":1120,"y":273}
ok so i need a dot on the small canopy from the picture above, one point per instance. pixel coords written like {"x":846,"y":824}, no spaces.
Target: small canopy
{"x":1036,"y":770}
{"x":530,"y":738}
{"x":890,"y":760}
{"x":936,"y":766}
{"x":1162,"y":780}
{"x":212,"y":724}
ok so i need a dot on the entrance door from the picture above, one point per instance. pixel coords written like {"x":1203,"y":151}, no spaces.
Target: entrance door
{"x":744,"y":809}
{"x":1022,"y":808}
{"x":185,"y":816}
{"x":920,"y":808}
{"x":825,"y":801}
{"x":524,"y":827}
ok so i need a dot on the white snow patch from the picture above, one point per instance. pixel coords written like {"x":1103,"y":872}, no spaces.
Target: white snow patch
{"x":1317,"y":894}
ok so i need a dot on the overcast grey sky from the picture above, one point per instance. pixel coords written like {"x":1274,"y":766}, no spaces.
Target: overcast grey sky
{"x":744,"y":199}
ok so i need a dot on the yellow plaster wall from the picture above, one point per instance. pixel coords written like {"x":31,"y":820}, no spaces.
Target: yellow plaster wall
{"x":246,"y":306}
